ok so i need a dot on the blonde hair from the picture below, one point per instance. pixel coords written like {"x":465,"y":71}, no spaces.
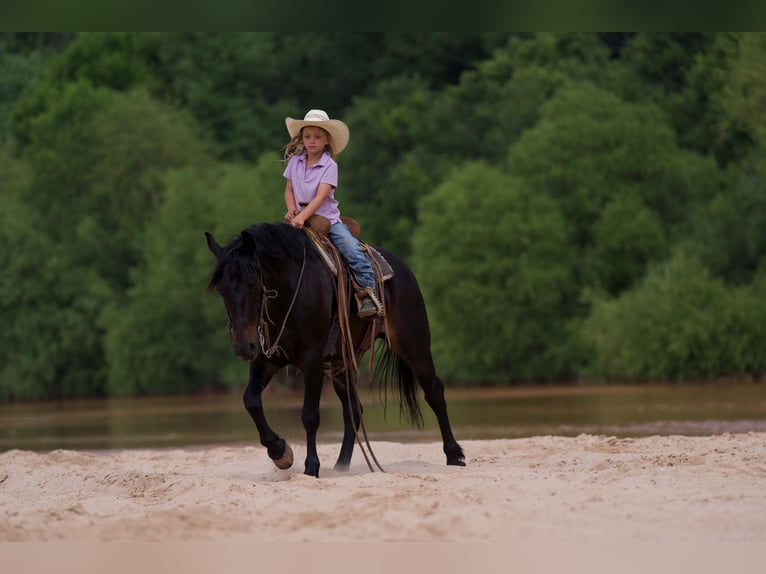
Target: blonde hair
{"x":295,"y":145}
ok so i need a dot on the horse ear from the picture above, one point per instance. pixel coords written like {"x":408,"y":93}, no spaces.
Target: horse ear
{"x":212,"y":244}
{"x":248,"y":244}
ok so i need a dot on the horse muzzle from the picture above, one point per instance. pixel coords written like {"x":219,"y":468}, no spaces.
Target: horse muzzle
{"x":245,"y":350}
{"x":244,"y":344}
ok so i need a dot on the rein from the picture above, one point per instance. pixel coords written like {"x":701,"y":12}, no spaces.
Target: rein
{"x":349,"y":357}
{"x":263,"y":326}
{"x":351,"y":366}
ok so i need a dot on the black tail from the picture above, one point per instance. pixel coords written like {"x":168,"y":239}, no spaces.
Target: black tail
{"x":390,"y":366}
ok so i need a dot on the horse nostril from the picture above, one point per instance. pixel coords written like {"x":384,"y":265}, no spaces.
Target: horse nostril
{"x":245,"y":350}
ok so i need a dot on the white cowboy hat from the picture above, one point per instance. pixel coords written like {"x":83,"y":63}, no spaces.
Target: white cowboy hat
{"x":337,"y":129}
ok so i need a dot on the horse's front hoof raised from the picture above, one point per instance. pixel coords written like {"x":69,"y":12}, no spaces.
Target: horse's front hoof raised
{"x":286,"y":460}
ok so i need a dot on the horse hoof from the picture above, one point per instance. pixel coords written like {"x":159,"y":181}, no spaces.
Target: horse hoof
{"x":286,"y":460}
{"x":456,"y":462}
{"x":342,"y":466}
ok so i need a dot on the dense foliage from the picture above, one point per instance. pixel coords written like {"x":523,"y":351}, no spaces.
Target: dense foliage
{"x":576,"y":206}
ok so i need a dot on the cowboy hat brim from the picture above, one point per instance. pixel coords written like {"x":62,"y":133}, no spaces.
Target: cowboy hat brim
{"x":338,"y":131}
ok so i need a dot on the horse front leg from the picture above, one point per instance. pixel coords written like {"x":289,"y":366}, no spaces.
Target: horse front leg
{"x":312,"y":377}
{"x":260,"y":375}
{"x":351,"y":419}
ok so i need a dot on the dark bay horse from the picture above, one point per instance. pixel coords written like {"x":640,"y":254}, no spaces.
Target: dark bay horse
{"x":272,"y":279}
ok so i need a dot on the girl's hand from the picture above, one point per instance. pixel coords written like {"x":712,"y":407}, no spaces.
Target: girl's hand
{"x":297,"y":222}
{"x":290,"y":215}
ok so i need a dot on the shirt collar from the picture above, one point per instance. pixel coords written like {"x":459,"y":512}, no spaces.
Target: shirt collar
{"x":322,"y":160}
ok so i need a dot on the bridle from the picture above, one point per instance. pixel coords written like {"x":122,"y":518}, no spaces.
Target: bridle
{"x":264,"y":318}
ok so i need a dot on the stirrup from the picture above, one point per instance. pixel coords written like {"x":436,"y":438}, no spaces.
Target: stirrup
{"x":368,"y":303}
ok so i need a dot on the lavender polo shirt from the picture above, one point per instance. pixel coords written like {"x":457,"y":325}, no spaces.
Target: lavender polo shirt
{"x":306,"y":181}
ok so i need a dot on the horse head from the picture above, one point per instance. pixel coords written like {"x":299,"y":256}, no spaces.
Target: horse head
{"x":237,"y":279}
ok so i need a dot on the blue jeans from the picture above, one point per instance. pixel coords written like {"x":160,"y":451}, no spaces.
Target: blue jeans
{"x":349,"y":247}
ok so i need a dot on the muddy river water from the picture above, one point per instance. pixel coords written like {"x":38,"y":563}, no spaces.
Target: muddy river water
{"x":172,"y":422}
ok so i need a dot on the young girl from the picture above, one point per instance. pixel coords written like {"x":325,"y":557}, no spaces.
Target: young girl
{"x":312,"y":177}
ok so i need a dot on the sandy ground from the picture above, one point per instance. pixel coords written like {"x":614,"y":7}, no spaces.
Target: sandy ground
{"x":541,"y":489}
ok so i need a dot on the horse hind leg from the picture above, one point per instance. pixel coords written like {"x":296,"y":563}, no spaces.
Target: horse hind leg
{"x":409,"y":342}
{"x":351,"y":418}
{"x":434,"y":394}
{"x":433,"y":391}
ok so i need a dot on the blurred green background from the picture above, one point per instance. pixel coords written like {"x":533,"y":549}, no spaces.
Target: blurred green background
{"x":578,"y":207}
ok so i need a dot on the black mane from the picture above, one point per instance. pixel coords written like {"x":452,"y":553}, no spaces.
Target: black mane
{"x":276,"y":245}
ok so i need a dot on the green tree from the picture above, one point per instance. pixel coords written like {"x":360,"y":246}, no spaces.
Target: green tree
{"x":24,"y":57}
{"x":743,"y":97}
{"x":97,"y":160}
{"x":607,"y":153}
{"x":236,"y":85}
{"x":744,"y":341}
{"x":680,"y":323}
{"x":696,"y":110}
{"x":598,"y":157}
{"x":14,"y":174}
{"x":382,"y":135}
{"x":49,"y":347}
{"x":240,"y":86}
{"x":18,"y":72}
{"x":728,"y":234}
{"x":657,"y":64}
{"x":729,"y":231}
{"x":627,"y":236}
{"x":495,"y":270}
{"x":112,"y":61}
{"x":407,"y":137}
{"x":168,"y":335}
